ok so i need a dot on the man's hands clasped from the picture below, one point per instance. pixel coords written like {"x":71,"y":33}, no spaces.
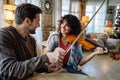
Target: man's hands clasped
{"x":56,"y":59}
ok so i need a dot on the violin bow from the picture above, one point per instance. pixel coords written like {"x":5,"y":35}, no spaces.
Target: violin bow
{"x":84,"y":28}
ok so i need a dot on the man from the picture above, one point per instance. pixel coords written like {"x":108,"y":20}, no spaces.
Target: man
{"x":18,"y":58}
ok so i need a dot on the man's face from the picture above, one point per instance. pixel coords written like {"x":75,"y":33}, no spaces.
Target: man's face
{"x":34,"y":24}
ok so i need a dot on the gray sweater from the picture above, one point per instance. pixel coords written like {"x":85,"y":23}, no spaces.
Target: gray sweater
{"x":18,"y":55}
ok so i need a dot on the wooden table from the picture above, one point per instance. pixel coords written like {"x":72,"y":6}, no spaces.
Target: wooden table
{"x":60,"y":76}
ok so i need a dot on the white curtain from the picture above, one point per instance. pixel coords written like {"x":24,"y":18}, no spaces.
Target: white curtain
{"x":98,"y":22}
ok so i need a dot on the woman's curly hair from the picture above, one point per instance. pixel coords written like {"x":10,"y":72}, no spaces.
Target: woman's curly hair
{"x":73,"y":22}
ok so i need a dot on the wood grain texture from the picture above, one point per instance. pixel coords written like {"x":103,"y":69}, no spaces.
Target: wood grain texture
{"x":101,"y":67}
{"x":61,"y":76}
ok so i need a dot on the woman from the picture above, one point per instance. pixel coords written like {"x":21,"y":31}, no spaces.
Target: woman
{"x":70,"y":25}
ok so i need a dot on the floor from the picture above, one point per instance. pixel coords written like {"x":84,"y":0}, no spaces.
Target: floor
{"x":102,"y":67}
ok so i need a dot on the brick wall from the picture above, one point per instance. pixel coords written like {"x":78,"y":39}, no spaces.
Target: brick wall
{"x":46,"y":25}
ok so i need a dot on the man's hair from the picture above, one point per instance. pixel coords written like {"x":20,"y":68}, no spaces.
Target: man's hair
{"x":73,"y":22}
{"x":26,"y":10}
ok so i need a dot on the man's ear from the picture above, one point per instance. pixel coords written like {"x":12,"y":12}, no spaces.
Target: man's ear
{"x":27,"y":21}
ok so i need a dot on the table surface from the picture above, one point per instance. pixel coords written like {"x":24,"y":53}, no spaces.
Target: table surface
{"x":60,"y":76}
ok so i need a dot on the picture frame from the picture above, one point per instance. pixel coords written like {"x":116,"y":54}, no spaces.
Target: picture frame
{"x":47,"y":6}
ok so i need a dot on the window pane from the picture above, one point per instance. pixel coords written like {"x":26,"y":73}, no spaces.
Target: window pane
{"x":35,"y":2}
{"x":89,"y":9}
{"x":66,"y":5}
{"x":75,"y":6}
{"x":64,"y":13}
{"x":76,"y":14}
{"x":18,"y":2}
{"x":98,"y":22}
{"x":71,"y":7}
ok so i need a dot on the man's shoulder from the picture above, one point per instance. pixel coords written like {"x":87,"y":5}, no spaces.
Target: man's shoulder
{"x":8,"y":33}
{"x":6,"y":29}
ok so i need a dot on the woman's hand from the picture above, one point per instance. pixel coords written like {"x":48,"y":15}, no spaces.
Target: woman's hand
{"x":100,"y":50}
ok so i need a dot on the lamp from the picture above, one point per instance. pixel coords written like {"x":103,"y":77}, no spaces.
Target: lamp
{"x":9,"y":7}
{"x":109,"y":23}
{"x":85,"y":19}
{"x":109,"y":28}
{"x":9,"y":13}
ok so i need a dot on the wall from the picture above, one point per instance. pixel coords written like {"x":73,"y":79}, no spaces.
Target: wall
{"x":47,"y":19}
{"x":114,"y":2}
{"x":46,"y":25}
{"x":110,"y":13}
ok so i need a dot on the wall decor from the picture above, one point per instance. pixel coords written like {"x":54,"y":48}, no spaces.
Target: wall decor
{"x":47,"y":6}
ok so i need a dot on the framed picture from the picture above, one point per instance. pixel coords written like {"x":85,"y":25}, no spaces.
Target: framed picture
{"x":47,"y":6}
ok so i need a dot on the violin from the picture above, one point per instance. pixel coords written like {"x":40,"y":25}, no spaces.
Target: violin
{"x":89,"y":44}
{"x":83,"y":41}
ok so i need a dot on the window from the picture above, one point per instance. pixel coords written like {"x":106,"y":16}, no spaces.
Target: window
{"x":72,"y":7}
{"x":65,"y":8}
{"x":98,"y":22}
{"x":18,"y":2}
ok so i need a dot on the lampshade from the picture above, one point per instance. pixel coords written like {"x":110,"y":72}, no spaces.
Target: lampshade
{"x":85,"y":19}
{"x":9,"y":7}
{"x":109,"y":23}
{"x":9,"y":15}
{"x":8,"y":11}
{"x":109,"y":30}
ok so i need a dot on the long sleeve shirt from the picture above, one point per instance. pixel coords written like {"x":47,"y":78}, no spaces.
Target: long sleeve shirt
{"x":18,"y":58}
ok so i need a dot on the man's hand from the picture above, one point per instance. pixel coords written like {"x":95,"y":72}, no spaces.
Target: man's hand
{"x":52,"y":67}
{"x":56,"y":56}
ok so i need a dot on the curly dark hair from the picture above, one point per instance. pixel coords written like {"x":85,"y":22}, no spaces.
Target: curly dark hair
{"x":26,"y":10}
{"x":73,"y":22}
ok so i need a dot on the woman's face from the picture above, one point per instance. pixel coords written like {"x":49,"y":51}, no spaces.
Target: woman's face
{"x":64,"y":28}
